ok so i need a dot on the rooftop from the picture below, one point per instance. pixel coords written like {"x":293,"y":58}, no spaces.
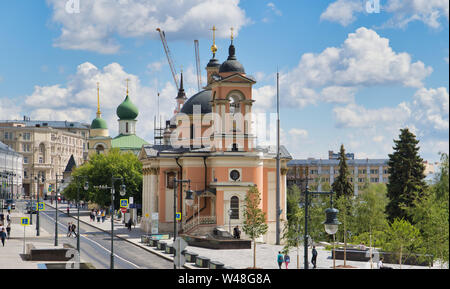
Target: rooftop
{"x":45,"y":123}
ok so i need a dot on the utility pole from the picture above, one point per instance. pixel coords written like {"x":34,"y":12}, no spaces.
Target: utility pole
{"x":278,"y":209}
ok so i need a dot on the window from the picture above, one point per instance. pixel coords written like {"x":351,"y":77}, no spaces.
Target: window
{"x":25,"y":160}
{"x":26,"y":136}
{"x":25,"y":174}
{"x":41,"y":160}
{"x":9,"y":135}
{"x":374,"y":180}
{"x":99,"y":149}
{"x":234,"y":206}
{"x":25,"y":147}
{"x":170,"y":180}
{"x":374,"y":172}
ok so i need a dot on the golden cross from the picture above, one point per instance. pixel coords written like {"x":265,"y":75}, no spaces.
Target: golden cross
{"x":232,"y":37}
{"x":127,"y":80}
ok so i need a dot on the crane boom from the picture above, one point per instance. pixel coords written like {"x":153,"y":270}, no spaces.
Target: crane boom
{"x":169,"y":56}
{"x":197,"y":62}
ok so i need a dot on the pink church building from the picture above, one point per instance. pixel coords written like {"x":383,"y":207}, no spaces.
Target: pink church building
{"x":210,"y":142}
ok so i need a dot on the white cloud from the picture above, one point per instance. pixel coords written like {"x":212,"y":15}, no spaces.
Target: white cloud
{"x":342,"y":11}
{"x":365,"y":59}
{"x":274,"y":9}
{"x":432,"y":108}
{"x":9,"y":109}
{"x":99,"y":23}
{"x":76,"y":100}
{"x":403,"y":12}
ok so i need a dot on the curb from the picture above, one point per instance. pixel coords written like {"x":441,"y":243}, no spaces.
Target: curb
{"x":122,"y":238}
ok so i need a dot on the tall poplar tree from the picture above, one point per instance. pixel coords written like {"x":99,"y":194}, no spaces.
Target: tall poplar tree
{"x":406,"y":176}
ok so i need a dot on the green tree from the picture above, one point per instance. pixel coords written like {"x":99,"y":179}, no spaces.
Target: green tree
{"x":294,"y":226}
{"x":344,"y":195}
{"x":342,"y":185}
{"x":431,"y":216}
{"x":370,"y":214}
{"x":254,"y":218}
{"x":402,"y":238}
{"x":406,"y":176}
{"x":99,"y":171}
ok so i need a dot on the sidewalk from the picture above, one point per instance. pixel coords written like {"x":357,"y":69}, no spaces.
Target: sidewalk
{"x":10,"y":254}
{"x":237,"y":259}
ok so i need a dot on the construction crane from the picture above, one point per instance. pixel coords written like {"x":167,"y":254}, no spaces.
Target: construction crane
{"x":197,"y":62}
{"x":169,"y":56}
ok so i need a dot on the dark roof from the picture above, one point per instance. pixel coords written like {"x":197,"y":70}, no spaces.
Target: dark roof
{"x":53,"y":124}
{"x":202,"y":98}
{"x":70,"y":165}
{"x":231,"y":64}
{"x":213,"y":62}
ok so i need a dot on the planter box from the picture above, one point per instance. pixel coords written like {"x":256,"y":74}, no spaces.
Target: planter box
{"x":215,"y":265}
{"x":190,"y":257}
{"x":202,"y":262}
{"x":217,"y":243}
{"x":389,"y":258}
{"x":161,"y":246}
{"x":145,"y":239}
{"x":169,"y":249}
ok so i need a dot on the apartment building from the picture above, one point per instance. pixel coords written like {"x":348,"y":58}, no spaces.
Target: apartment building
{"x":319,"y":172}
{"x":46,"y":147}
{"x":11,"y":172}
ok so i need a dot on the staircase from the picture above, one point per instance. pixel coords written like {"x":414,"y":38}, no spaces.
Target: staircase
{"x":200,"y":226}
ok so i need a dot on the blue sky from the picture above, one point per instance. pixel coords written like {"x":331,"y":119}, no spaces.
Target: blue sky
{"x":347,"y":76}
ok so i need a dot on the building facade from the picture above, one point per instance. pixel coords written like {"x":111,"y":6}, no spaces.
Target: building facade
{"x":46,"y":147}
{"x":11,"y":172}
{"x":220,"y":164}
{"x":321,"y":173}
{"x":126,"y":140}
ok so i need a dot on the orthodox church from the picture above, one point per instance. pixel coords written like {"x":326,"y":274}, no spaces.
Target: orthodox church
{"x":209,"y":145}
{"x":99,"y":140}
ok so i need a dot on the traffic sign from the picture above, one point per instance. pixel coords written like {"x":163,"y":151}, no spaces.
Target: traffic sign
{"x":25,"y":221}
{"x":40,"y":206}
{"x":178,"y":216}
{"x":123,"y":203}
{"x":124,"y":210}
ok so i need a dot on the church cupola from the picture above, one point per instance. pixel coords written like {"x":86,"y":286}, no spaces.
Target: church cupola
{"x":231,"y":64}
{"x":127,"y":113}
{"x":99,"y":124}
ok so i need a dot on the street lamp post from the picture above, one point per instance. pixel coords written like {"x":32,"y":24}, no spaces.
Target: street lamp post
{"x":230,"y":212}
{"x":307,"y":193}
{"x":190,"y":200}
{"x":113,"y":191}
{"x":37,"y":202}
{"x":331,"y":226}
{"x":56,"y":208}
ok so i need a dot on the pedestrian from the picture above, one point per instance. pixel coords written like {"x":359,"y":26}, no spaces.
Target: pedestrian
{"x":3,"y":236}
{"x":8,"y":217}
{"x":381,"y":265}
{"x":314,"y":257}
{"x":129,"y":223}
{"x":69,"y":229}
{"x":8,"y":229}
{"x":68,"y":210}
{"x":98,"y":216}
{"x":287,"y":260}
{"x":280,"y":259}
{"x":92,"y":215}
{"x":236,"y":232}
{"x":73,"y":227}
{"x":103,"y":215}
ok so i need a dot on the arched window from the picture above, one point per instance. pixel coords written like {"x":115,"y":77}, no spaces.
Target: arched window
{"x":99,"y":149}
{"x":234,"y":206}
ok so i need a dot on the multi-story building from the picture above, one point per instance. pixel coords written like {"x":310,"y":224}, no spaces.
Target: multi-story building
{"x":46,"y":147}
{"x":11,"y":172}
{"x":318,"y":172}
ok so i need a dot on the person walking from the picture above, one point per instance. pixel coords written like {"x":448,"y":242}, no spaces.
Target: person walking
{"x":236,"y":232}
{"x":73,"y":227}
{"x":287,"y":260}
{"x":98,"y":216}
{"x":69,"y":229}
{"x":8,"y":229}
{"x":91,"y":215}
{"x":280,"y":259}
{"x":68,"y":210}
{"x":314,"y":257}
{"x":3,"y":236}
{"x":103,"y":215}
{"x":129,"y":224}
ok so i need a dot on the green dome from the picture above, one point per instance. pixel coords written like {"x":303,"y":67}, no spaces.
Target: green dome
{"x":127,"y":110}
{"x":99,"y":123}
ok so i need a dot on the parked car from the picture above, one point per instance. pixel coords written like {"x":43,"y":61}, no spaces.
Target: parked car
{"x":9,"y":202}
